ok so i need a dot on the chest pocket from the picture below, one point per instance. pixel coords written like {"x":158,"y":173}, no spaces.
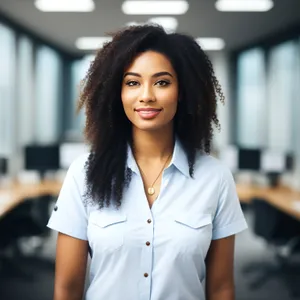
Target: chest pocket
{"x":106,"y":231}
{"x":192,"y":233}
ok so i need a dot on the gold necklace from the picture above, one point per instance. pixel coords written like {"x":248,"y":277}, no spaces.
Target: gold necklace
{"x":151,"y":189}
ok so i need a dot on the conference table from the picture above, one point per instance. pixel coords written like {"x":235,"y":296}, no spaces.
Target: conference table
{"x":284,"y":199}
{"x":15,"y":193}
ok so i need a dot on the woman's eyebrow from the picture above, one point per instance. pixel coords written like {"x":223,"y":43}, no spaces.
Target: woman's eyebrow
{"x":132,"y":74}
{"x":154,"y":75}
{"x":161,"y":74}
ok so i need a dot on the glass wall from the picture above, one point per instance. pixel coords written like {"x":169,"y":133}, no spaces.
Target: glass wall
{"x":7,"y":89}
{"x":295,"y":116}
{"x":281,"y":95}
{"x":32,"y":84}
{"x":25,"y":95}
{"x":252,"y":101}
{"x":266,"y":97}
{"x":79,"y":70}
{"x":268,"y":100}
{"x":47,"y":96}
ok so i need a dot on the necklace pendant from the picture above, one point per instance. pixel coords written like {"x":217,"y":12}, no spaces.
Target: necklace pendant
{"x":151,"y":190}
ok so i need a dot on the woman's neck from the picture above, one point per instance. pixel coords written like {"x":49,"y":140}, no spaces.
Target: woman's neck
{"x":152,"y":145}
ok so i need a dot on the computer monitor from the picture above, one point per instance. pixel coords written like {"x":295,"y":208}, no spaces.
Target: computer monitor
{"x":68,"y":152}
{"x":273,"y":161}
{"x":42,"y":158}
{"x":3,"y":166}
{"x":289,"y":162}
{"x":249,"y":159}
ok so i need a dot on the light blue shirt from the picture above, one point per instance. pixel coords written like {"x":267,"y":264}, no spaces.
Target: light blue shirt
{"x":140,"y":253}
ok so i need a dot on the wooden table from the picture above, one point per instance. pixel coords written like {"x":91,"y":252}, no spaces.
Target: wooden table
{"x":14,"y":194}
{"x":283,"y":198}
{"x":286,"y":200}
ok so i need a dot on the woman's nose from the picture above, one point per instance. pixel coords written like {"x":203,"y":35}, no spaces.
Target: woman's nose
{"x":147,"y":95}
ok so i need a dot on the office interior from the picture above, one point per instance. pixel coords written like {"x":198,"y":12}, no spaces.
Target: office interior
{"x":255,"y":52}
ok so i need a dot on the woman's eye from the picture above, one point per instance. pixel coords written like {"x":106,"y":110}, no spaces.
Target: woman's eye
{"x":132,"y":83}
{"x":163,"y":83}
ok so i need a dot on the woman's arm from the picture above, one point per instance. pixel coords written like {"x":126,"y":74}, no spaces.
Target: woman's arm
{"x":219,"y":266}
{"x":70,"y":268}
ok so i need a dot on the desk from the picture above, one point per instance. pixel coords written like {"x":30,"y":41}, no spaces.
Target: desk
{"x":284,"y":199}
{"x":247,"y":192}
{"x":13,"y":195}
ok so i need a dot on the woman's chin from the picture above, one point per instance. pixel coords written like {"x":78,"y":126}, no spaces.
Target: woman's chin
{"x":148,"y":128}
{"x":155,"y":126}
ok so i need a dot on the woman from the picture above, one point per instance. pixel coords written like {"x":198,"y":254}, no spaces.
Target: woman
{"x":155,"y":212}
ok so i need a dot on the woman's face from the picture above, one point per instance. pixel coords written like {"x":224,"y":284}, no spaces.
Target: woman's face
{"x":150,"y":91}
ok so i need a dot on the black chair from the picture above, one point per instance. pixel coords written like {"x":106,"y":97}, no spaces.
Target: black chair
{"x":282,"y":234}
{"x":27,"y":220}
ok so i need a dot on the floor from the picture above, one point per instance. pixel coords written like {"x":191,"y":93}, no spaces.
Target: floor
{"x":248,"y":249}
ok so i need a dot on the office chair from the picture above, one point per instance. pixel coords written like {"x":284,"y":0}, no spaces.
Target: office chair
{"x":282,"y":234}
{"x":27,"y":220}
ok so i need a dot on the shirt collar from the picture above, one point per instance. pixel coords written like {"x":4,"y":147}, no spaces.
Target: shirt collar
{"x":131,"y":163}
{"x":179,"y":159}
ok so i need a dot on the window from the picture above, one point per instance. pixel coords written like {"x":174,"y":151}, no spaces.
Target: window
{"x":251,"y":99}
{"x":78,"y":70}
{"x":282,"y":86}
{"x":48,"y":96}
{"x":7,"y":89}
{"x":25,"y":96}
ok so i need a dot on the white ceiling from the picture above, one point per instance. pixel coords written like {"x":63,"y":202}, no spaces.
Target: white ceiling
{"x":202,"y":20}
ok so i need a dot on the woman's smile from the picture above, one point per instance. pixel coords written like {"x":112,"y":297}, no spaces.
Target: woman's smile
{"x":148,"y":113}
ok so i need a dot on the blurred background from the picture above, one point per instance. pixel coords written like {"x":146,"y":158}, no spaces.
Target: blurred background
{"x":46,"y":48}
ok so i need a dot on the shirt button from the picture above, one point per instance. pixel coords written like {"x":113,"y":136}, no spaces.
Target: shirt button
{"x":148,"y":243}
{"x":146,"y":275}
{"x":149,"y":221}
{"x":55,"y":208}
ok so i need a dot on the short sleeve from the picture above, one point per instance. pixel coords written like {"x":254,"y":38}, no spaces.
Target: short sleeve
{"x":70,"y":215}
{"x":229,"y":218}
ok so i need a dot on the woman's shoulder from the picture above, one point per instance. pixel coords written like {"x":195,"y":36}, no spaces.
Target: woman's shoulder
{"x":78,"y":165}
{"x":210,"y":164}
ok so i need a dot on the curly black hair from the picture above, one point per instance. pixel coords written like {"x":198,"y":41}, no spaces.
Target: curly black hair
{"x":108,"y":130}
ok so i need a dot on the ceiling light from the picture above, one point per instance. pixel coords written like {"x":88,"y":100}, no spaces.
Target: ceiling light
{"x":211,"y":44}
{"x":168,"y":23}
{"x":244,"y":5}
{"x":91,"y":43}
{"x":65,"y":5}
{"x":134,"y":23}
{"x":176,"y":7}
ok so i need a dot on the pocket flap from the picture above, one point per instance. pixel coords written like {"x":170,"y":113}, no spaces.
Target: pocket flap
{"x":194,"y":221}
{"x":106,"y":219}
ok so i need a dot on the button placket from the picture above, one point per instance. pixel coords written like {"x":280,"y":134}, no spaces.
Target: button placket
{"x":148,"y":250}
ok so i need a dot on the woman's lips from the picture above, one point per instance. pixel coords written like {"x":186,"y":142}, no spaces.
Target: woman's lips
{"x":148,"y":113}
